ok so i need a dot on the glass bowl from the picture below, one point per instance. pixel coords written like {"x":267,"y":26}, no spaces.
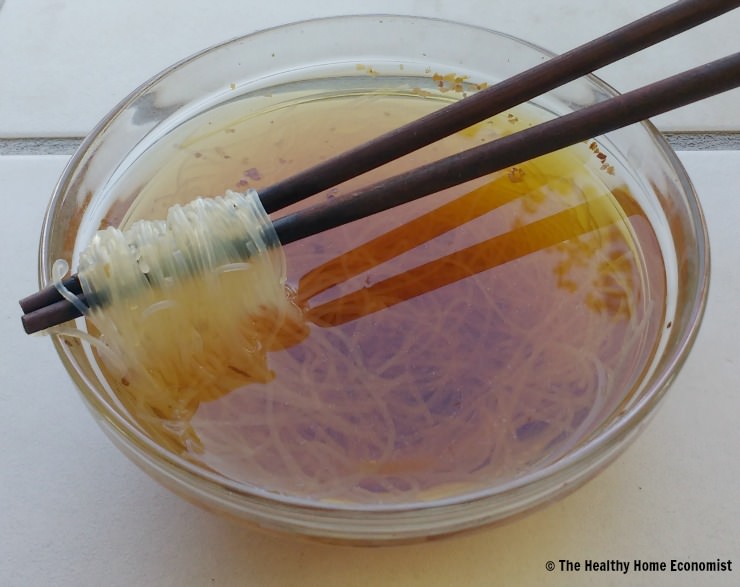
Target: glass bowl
{"x":366,"y":55}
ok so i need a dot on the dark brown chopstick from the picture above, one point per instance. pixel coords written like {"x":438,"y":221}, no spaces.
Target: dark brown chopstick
{"x":631,"y":38}
{"x":557,"y":71}
{"x":617,"y":112}
{"x":47,"y":307}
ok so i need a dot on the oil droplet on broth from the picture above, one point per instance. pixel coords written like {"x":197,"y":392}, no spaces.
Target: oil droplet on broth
{"x":453,"y":343}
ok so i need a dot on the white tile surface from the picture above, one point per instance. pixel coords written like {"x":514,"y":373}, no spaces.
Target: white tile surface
{"x":74,"y":512}
{"x":64,"y":64}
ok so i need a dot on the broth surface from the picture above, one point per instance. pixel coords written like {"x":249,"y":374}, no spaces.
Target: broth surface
{"x":453,"y":343}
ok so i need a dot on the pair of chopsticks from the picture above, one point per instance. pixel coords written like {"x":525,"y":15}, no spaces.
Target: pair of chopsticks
{"x":47,"y":307}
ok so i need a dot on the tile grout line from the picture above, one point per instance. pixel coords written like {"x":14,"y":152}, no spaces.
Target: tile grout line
{"x":39,"y":146}
{"x":680,"y":141}
{"x":704,"y":141}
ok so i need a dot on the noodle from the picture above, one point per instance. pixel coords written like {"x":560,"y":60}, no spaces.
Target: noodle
{"x":185,"y":281}
{"x":457,"y":343}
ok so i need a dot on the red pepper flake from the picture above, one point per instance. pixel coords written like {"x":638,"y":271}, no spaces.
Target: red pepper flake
{"x":516,"y":174}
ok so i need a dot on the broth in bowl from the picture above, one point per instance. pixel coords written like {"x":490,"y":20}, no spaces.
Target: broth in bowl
{"x":452,"y":344}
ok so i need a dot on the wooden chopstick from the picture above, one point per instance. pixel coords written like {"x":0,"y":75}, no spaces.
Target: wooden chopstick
{"x":557,"y":71}
{"x":47,"y":307}
{"x":617,"y":112}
